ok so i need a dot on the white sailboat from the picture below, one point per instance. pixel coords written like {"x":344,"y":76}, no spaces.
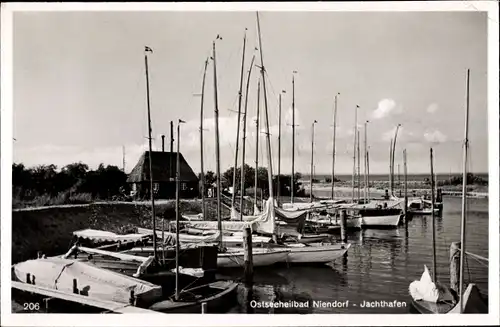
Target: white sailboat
{"x":428,"y":295}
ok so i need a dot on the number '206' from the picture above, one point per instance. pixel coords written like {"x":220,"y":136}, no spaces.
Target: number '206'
{"x":30,"y":306}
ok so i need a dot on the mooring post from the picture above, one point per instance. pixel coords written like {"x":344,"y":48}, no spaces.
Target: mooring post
{"x":204,"y":307}
{"x":342,"y":225}
{"x":247,"y":241}
{"x":455,"y":266}
{"x":46,"y":301}
{"x":75,"y":286}
{"x":131,"y":300}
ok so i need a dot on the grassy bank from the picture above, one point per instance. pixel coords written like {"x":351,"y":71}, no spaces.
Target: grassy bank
{"x":49,"y":229}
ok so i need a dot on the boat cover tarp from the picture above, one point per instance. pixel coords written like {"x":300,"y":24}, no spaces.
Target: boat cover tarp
{"x":57,"y":273}
{"x":170,"y":238}
{"x":104,"y":236}
{"x":262,"y":223}
{"x":425,"y":289}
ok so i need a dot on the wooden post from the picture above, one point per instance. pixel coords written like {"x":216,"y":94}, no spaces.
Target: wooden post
{"x":75,"y":286}
{"x":46,"y":301}
{"x":28,"y":278}
{"x":247,"y":243}
{"x":342,"y":225}
{"x":132,"y":297}
{"x":455,"y":266}
{"x":406,"y":185}
{"x":204,"y":307}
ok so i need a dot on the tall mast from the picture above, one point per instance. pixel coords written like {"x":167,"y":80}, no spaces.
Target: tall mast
{"x":366,"y":161}
{"x":177,"y":211}
{"x":257,"y":132}
{"x":278,"y":191}
{"x":201,"y":142}
{"x":217,"y":146}
{"x":292,"y":185}
{"x":268,"y":136}
{"x":240,"y":94}
{"x":333,"y":144}
{"x":242,"y":172}
{"x":368,"y":170}
{"x":151,"y":189}
{"x":354,"y":150}
{"x":312,"y":162}
{"x":390,"y":167}
{"x":464,"y":193}
{"x":359,"y":168}
{"x":393,"y":156}
{"x":434,"y":271}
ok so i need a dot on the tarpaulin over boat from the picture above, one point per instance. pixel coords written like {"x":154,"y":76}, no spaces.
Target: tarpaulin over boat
{"x":262,"y":223}
{"x":104,"y":236}
{"x":57,"y":273}
{"x":170,"y":238}
{"x":425,"y":289}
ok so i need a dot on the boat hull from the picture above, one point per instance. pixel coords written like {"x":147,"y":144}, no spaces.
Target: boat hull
{"x":236,"y":258}
{"x":381,"y":221}
{"x":217,"y":296}
{"x":317,"y":254}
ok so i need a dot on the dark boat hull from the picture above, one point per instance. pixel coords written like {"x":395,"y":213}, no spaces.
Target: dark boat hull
{"x":218,"y":296}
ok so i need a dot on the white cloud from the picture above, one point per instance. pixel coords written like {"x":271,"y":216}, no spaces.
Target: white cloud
{"x":435,"y":136}
{"x":384,"y":108}
{"x":432,"y":108}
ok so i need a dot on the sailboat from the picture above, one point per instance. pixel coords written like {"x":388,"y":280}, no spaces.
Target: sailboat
{"x":428,"y":296}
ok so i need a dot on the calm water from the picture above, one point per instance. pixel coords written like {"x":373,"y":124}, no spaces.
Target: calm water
{"x":380,"y":266}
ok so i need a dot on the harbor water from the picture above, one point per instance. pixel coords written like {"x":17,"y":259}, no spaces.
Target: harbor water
{"x":380,"y":265}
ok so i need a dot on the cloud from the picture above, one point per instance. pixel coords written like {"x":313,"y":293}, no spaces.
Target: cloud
{"x":384,"y":108}
{"x":432,"y":108}
{"x":435,"y":136}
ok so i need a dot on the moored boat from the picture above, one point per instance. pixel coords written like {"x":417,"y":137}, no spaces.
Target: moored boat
{"x":316,"y":252}
{"x":235,"y":257}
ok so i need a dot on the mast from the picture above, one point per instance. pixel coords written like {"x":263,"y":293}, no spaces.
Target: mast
{"x":434,"y":271}
{"x":151,"y":189}
{"x":177,"y":211}
{"x":312,"y":162}
{"x":242,"y":175}
{"x":368,"y":170}
{"x":354,"y":150}
{"x":366,"y":162}
{"x":464,"y":193}
{"x":292,"y":186}
{"x":333,"y":145}
{"x":217,"y":146}
{"x":393,"y":156}
{"x":390,"y":167}
{"x":278,"y":191}
{"x":240,"y":94}
{"x":268,"y":135}
{"x":257,"y":145}
{"x":201,"y":142}
{"x":359,"y":173}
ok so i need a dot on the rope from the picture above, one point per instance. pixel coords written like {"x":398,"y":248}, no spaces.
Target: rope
{"x":476,"y":256}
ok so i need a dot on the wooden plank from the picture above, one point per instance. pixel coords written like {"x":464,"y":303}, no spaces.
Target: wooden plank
{"x":85,"y":300}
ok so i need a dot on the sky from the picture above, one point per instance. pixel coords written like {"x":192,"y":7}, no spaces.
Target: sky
{"x":80,"y":87}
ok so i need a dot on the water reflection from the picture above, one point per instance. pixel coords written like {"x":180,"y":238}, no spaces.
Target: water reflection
{"x":379,"y":266}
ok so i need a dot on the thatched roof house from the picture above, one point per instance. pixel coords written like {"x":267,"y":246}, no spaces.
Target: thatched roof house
{"x":164,"y":166}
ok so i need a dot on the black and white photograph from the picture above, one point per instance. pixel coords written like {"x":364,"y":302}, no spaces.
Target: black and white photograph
{"x":252,"y":161}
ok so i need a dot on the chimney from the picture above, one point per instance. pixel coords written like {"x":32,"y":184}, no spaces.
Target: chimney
{"x":163,"y":143}
{"x":171,"y":136}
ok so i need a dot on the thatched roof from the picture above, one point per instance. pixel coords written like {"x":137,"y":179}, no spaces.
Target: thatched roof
{"x":164,"y":168}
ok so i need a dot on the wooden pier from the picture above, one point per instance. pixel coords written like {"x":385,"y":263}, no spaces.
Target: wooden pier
{"x":104,"y":305}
